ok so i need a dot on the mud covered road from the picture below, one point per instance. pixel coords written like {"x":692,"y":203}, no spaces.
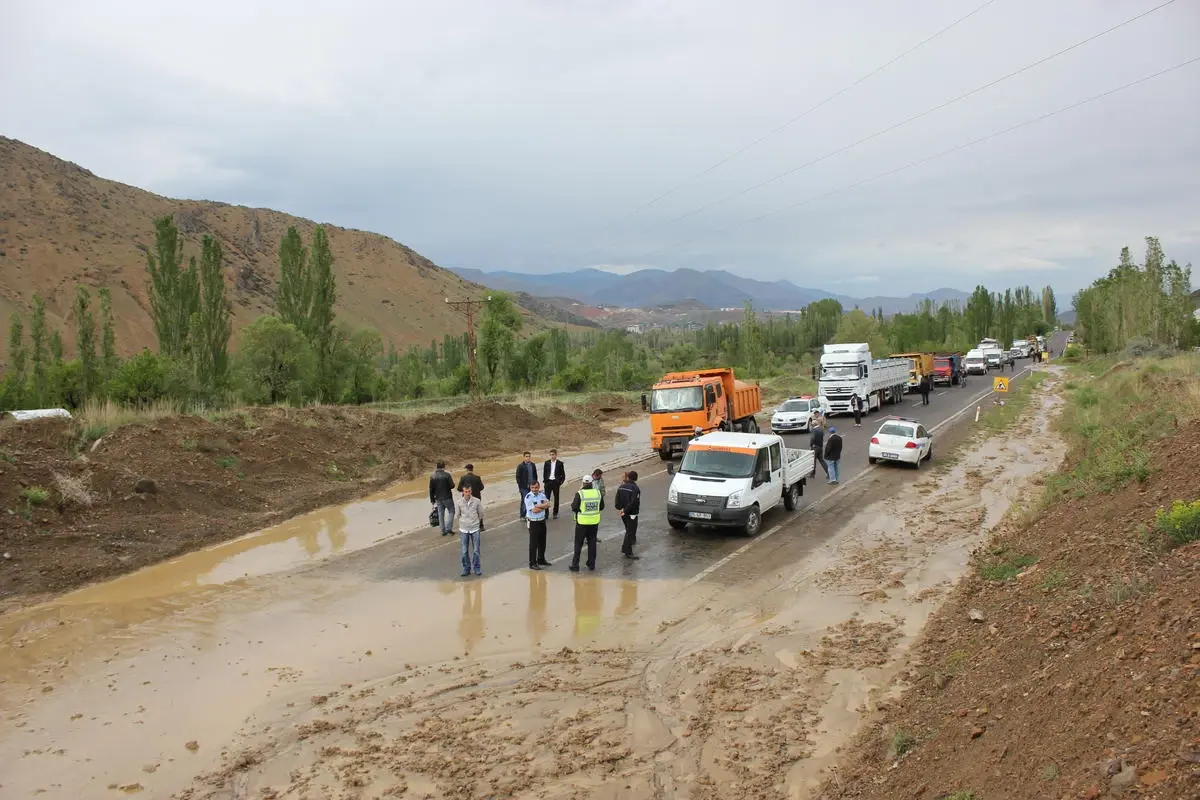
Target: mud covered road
{"x":712,"y":662}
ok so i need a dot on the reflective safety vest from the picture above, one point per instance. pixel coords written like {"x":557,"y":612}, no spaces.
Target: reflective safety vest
{"x":589,"y":507}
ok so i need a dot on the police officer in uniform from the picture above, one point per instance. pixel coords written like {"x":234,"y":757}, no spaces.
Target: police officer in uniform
{"x":587,"y":505}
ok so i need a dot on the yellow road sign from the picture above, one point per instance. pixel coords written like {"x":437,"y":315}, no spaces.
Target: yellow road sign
{"x":999,"y":384}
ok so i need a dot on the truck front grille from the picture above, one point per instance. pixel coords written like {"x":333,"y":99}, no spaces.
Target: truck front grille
{"x":701,"y":500}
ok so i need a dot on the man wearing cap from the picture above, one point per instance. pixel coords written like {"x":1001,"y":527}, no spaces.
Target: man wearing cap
{"x":587,"y":505}
{"x":833,"y":454}
{"x":536,"y":504}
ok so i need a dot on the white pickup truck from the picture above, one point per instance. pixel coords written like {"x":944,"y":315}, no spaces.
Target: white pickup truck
{"x":732,"y":479}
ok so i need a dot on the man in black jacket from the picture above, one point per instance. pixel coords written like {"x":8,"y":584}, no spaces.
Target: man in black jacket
{"x":833,"y":455}
{"x":816,"y":443}
{"x":554,"y":474}
{"x":526,"y":476}
{"x":628,"y":504}
{"x":441,"y":495}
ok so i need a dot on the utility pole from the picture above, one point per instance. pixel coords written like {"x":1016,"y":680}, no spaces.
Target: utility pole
{"x":468,"y":307}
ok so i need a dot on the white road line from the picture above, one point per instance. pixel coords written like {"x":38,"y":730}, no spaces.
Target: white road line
{"x":710,"y":569}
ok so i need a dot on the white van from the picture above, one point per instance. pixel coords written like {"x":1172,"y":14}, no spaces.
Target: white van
{"x":732,"y":479}
{"x":975,"y":362}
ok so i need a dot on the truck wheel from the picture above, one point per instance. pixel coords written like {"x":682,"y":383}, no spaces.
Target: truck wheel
{"x":753,"y":522}
{"x":677,"y":524}
{"x":791,"y":497}
{"x":753,"y":425}
{"x":665,"y":455}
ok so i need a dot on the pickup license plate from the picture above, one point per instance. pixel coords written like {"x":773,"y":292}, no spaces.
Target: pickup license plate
{"x":699,"y":515}
{"x":890,"y":455}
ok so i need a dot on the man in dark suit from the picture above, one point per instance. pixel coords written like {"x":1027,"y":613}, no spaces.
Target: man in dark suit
{"x":526,"y":477}
{"x":554,"y":474}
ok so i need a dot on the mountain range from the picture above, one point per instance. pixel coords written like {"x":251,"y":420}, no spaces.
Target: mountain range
{"x":713,"y":288}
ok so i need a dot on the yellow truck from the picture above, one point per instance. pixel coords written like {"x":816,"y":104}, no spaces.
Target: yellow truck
{"x":922,"y":365}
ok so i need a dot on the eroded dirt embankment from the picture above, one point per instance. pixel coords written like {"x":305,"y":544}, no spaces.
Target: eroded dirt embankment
{"x":1066,"y":666}
{"x":742,"y":683}
{"x":72,"y":514}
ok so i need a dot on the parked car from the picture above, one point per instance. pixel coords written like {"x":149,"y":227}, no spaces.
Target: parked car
{"x":901,"y":439}
{"x":795,"y":414}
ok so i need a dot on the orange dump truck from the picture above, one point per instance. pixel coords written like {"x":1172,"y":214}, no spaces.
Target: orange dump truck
{"x":709,"y":399}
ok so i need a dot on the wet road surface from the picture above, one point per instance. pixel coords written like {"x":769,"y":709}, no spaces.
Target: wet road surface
{"x":138,"y":667}
{"x":663,"y":553}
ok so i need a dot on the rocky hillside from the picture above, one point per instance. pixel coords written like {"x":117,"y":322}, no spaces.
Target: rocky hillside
{"x":60,"y":225}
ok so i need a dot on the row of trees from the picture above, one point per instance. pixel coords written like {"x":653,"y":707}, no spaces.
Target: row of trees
{"x":302,"y":352}
{"x":1149,"y":302}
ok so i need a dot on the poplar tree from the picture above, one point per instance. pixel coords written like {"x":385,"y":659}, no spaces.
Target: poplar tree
{"x":211,"y":327}
{"x":108,"y":337}
{"x":294,"y":298}
{"x":174,"y":291}
{"x":37,"y":341}
{"x":85,"y":341}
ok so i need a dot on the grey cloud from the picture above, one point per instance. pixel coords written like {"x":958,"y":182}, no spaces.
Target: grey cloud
{"x":519,"y":135}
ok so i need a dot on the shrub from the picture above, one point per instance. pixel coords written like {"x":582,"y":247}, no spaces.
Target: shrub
{"x":35,"y":495}
{"x":1180,"y":524}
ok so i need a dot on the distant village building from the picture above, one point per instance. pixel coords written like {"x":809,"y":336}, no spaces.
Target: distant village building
{"x":633,"y":328}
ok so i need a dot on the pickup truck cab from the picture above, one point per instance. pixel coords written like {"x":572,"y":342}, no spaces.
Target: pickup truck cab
{"x":732,"y":479}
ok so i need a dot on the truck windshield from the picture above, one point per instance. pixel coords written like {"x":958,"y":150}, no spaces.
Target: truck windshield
{"x":836,"y":373}
{"x":683,"y":398}
{"x":941,"y":362}
{"x":717,"y":463}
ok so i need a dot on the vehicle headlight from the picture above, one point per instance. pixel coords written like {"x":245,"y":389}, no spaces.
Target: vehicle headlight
{"x":734,"y":500}
{"x":672,"y":495}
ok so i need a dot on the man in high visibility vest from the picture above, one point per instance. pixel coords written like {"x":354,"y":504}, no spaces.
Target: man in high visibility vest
{"x":587,"y":505}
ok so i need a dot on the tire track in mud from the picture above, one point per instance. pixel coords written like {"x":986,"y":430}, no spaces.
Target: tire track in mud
{"x":747,"y":681}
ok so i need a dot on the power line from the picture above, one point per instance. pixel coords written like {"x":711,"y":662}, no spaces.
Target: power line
{"x":927,"y":159}
{"x":801,"y":115}
{"x":913,"y":118}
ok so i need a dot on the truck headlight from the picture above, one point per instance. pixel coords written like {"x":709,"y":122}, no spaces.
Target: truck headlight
{"x":734,"y":500}
{"x":672,"y":495}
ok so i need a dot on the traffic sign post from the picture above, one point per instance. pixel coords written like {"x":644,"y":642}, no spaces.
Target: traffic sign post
{"x":1000,"y":385}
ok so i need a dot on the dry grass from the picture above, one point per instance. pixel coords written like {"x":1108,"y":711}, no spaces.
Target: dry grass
{"x":74,"y":491}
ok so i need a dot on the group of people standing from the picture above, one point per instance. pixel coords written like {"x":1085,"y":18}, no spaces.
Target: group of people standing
{"x":539,"y":502}
{"x":827,"y":449}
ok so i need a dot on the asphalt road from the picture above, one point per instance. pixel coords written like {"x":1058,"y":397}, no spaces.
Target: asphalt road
{"x":694,"y":553}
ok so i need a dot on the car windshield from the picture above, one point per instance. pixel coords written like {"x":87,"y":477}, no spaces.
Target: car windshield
{"x":794,"y":405}
{"x":683,"y":398}
{"x":894,"y":429}
{"x":850,"y":372}
{"x":717,"y":463}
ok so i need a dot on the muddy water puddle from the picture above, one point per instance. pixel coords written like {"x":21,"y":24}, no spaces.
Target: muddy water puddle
{"x":122,"y":704}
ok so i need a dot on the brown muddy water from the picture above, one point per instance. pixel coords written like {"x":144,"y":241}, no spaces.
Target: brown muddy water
{"x":568,"y":684}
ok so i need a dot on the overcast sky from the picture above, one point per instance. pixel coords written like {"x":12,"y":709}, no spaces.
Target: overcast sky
{"x":530,"y":135}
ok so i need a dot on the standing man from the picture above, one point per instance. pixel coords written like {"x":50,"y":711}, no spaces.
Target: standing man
{"x":587,"y":506}
{"x":598,"y":483}
{"x":628,"y":504}
{"x":926,"y":385}
{"x":536,"y":504}
{"x":441,"y":495}
{"x":833,"y":455}
{"x":526,"y":477}
{"x":469,"y":511}
{"x":816,"y":443}
{"x":554,"y":474}
{"x":469,"y":478}
{"x":856,"y":405}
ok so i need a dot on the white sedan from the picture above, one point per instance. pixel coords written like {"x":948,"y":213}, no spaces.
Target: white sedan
{"x":900,"y":439}
{"x":795,"y":414}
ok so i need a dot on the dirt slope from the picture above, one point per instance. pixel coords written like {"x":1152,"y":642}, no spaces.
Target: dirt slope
{"x":60,"y":225}
{"x":220,"y":479}
{"x":1080,"y":681}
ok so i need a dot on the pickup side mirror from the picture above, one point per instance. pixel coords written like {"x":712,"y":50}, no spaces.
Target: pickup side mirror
{"x":670,"y":467}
